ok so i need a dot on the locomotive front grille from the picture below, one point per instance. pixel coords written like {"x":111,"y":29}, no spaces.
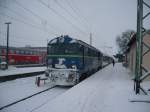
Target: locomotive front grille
{"x":63,"y":76}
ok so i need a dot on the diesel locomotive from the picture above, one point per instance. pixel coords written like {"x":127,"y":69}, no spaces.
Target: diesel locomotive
{"x":70,"y":60}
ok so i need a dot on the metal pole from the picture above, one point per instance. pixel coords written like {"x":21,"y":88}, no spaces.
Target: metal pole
{"x":138,"y":70}
{"x":7,"y":48}
{"x":47,"y":54}
{"x":90,"y":38}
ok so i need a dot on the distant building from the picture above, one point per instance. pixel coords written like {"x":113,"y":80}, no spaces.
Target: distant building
{"x":131,"y":52}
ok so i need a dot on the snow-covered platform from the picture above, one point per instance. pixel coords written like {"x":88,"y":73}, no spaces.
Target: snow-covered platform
{"x":14,"y":73}
{"x":108,"y":90}
{"x":13,"y":70}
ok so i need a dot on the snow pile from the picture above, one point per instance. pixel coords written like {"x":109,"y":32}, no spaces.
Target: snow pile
{"x":109,"y":90}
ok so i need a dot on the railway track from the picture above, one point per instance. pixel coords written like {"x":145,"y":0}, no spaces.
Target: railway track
{"x":30,"y":96}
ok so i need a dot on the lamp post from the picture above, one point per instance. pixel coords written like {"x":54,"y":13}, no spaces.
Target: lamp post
{"x":7,"y":48}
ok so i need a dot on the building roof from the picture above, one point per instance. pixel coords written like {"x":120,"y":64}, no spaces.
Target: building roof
{"x":133,"y":38}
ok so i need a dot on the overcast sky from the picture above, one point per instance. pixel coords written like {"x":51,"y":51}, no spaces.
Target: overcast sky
{"x":35,"y":21}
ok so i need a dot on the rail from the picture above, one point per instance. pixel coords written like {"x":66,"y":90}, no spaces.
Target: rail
{"x":13,"y":103}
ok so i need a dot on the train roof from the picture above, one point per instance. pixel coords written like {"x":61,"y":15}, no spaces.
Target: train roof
{"x":87,"y":45}
{"x":20,"y":48}
{"x":67,"y":39}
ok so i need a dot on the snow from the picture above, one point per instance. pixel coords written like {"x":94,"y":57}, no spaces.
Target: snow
{"x":13,"y":70}
{"x":108,"y":90}
{"x":73,"y":41}
{"x":32,"y":104}
{"x":12,"y":91}
{"x":53,"y":41}
{"x":61,"y":40}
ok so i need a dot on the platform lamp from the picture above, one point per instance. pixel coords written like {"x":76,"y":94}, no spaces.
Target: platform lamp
{"x":7,"y":48}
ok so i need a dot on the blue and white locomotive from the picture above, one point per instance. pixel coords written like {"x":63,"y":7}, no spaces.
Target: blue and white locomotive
{"x":70,"y":60}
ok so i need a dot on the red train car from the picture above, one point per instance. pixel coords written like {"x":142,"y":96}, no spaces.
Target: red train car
{"x":19,"y":56}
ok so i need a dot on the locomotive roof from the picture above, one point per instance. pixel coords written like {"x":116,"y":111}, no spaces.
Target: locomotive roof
{"x":68,"y":40}
{"x":87,"y":45}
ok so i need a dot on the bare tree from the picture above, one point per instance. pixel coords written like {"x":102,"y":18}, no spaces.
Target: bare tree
{"x":123,"y":39}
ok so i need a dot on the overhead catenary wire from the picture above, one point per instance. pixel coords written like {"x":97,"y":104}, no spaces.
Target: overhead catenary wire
{"x":26,"y":23}
{"x":18,"y":37}
{"x":68,"y":12}
{"x":60,"y":15}
{"x":74,"y":9}
{"x":14,"y":42}
{"x":13,"y":11}
{"x":36,"y":15}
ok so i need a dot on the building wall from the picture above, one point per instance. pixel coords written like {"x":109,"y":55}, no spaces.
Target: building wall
{"x":146,"y":58}
{"x":131,"y":55}
{"x":132,"y":58}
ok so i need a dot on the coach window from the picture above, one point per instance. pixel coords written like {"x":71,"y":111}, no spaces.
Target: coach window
{"x":20,"y":52}
{"x":17,"y":52}
{"x":1,"y":51}
{"x":28,"y":52}
{"x":12,"y":51}
{"x":4,"y":51}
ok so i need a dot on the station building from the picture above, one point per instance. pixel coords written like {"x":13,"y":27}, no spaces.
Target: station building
{"x":131,"y":52}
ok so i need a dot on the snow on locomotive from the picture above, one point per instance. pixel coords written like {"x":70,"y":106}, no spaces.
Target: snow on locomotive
{"x":70,"y":60}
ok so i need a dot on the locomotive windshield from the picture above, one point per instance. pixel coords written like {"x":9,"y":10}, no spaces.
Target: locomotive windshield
{"x":61,"y":49}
